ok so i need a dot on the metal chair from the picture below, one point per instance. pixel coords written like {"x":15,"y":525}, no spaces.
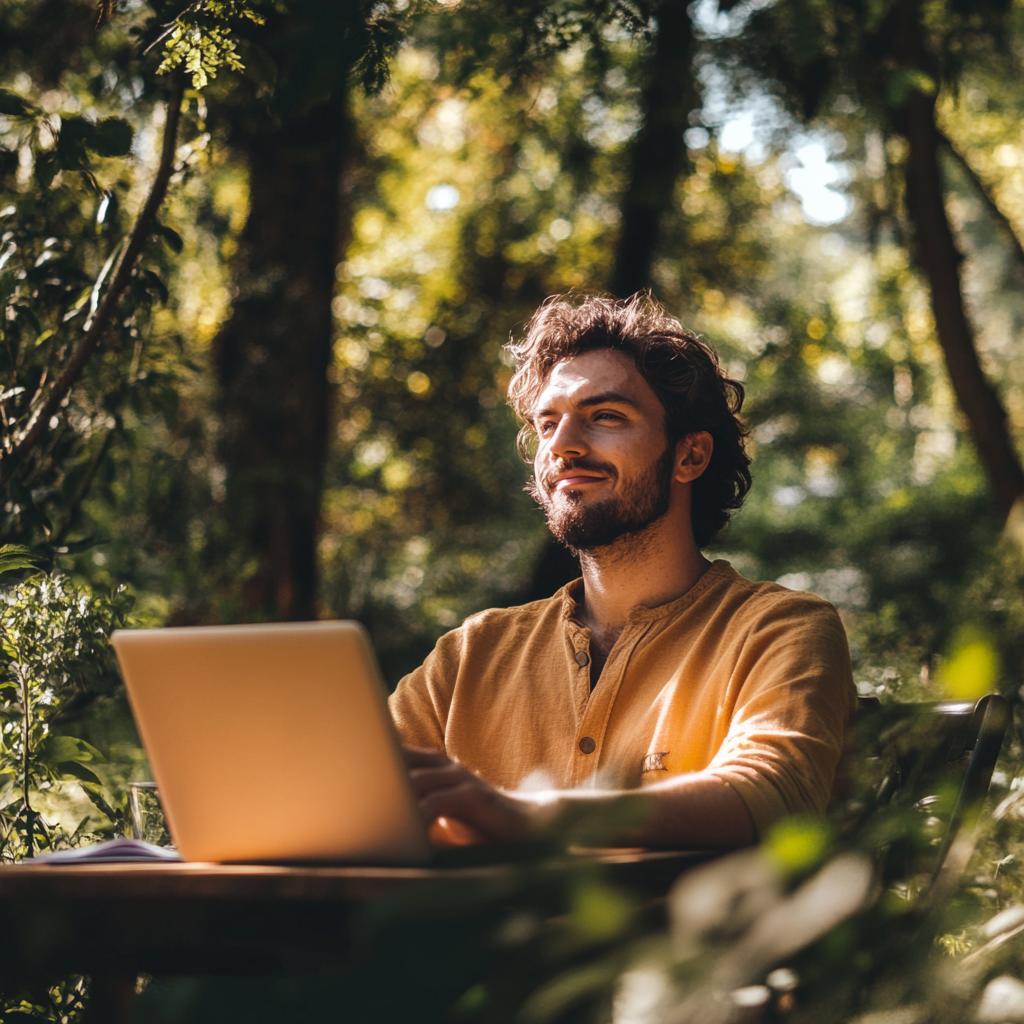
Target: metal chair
{"x":936,"y":758}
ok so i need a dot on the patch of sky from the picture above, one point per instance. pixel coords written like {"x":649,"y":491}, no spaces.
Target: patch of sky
{"x":696,"y":137}
{"x":442,"y":198}
{"x":742,"y":124}
{"x":753,"y":125}
{"x":813,"y":179}
{"x":845,"y":586}
{"x":714,"y":23}
{"x":788,"y":496}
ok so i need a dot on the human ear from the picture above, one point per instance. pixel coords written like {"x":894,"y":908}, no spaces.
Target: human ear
{"x":693,"y":454}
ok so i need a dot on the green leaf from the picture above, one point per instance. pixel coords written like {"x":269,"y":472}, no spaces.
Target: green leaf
{"x":74,"y":547}
{"x":972,"y":667}
{"x":599,"y":911}
{"x":797,"y":844}
{"x":76,"y":770}
{"x":72,"y":141}
{"x":94,"y":791}
{"x":904,"y":82}
{"x":171,"y":237}
{"x":63,"y":749}
{"x":16,"y":557}
{"x":111,"y":137}
{"x":154,"y":283}
{"x":46,"y":169}
{"x":13,"y":105}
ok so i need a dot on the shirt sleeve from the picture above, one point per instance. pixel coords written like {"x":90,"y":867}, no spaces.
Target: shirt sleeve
{"x":795,"y":697}
{"x":421,"y":701}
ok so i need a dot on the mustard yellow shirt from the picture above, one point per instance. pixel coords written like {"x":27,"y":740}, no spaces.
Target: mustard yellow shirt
{"x":749,"y":682}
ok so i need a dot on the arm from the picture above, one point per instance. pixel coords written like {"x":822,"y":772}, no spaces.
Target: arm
{"x":695,"y":810}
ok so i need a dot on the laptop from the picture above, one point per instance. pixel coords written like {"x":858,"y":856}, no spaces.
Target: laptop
{"x":272,"y":743}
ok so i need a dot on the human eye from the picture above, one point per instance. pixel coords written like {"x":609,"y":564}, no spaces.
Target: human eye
{"x":608,"y":416}
{"x":544,"y":427}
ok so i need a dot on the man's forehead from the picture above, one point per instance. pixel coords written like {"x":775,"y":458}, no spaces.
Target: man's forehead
{"x":603,"y":371}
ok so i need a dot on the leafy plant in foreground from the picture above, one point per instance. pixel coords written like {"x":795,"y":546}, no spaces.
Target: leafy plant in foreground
{"x":54,"y":659}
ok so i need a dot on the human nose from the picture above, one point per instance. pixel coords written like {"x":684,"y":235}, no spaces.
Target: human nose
{"x":567,"y":440}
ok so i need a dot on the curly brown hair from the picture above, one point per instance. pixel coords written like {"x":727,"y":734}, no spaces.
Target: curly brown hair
{"x":683,"y":371}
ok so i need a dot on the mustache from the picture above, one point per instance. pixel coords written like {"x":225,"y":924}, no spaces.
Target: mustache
{"x":535,"y":489}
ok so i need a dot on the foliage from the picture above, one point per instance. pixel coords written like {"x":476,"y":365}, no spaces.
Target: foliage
{"x":62,"y":1003}
{"x":67,"y":261}
{"x":54,"y":658}
{"x":201,"y":41}
{"x":811,"y":53}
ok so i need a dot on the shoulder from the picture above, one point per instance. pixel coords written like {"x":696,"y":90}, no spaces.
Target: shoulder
{"x":757,"y":604}
{"x":790,"y":639}
{"x":517,"y":619}
{"x":484,"y":634}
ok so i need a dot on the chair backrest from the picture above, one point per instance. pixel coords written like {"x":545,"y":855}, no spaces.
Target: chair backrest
{"x":939,"y":756}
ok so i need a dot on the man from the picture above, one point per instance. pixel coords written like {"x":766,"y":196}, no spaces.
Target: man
{"x":678,"y":701}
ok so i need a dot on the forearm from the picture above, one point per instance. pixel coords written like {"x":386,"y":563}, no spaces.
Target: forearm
{"x":695,"y":810}
{"x":688,"y":811}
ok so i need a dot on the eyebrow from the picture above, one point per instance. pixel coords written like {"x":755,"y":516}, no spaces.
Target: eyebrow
{"x":602,"y":398}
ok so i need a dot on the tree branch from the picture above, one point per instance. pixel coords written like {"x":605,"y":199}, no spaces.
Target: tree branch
{"x":986,"y":195}
{"x":26,"y":738}
{"x":938,"y":258}
{"x":659,"y":154}
{"x":92,"y":335}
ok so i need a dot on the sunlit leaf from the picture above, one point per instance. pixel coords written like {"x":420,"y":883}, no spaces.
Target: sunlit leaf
{"x":68,"y":749}
{"x":16,"y":557}
{"x":972,"y":668}
{"x":600,"y":911}
{"x":797,"y":844}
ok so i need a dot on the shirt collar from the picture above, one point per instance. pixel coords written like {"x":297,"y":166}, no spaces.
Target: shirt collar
{"x":719,"y":569}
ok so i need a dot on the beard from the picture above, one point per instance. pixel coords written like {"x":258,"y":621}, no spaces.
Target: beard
{"x":583,"y":527}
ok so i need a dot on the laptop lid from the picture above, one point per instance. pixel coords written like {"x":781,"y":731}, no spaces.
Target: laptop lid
{"x":272,"y":743}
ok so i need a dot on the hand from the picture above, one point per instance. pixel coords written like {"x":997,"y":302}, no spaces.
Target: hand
{"x":447,"y":790}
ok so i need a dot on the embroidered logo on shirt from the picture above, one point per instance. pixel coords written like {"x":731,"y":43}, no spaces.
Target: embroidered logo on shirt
{"x":654,"y":762}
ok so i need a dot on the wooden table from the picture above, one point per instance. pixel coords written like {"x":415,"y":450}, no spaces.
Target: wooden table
{"x":115,"y":921}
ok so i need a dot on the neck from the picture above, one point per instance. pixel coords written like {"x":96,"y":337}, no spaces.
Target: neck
{"x":641,"y":570}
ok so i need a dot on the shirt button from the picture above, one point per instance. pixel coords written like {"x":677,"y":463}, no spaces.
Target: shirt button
{"x":582,"y":658}
{"x":587,"y":745}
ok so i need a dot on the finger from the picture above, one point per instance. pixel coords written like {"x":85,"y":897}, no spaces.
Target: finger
{"x":477,"y":805}
{"x":421,"y":757}
{"x":452,"y":832}
{"x":462,"y":801}
{"x":427,"y":780}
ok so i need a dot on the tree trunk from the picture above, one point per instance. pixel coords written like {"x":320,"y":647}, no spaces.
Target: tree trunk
{"x":656,"y":162}
{"x":273,"y":354}
{"x":986,"y":194}
{"x":938,"y":258}
{"x":659,"y":154}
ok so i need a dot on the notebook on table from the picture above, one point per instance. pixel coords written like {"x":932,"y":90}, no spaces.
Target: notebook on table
{"x":272,"y":743}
